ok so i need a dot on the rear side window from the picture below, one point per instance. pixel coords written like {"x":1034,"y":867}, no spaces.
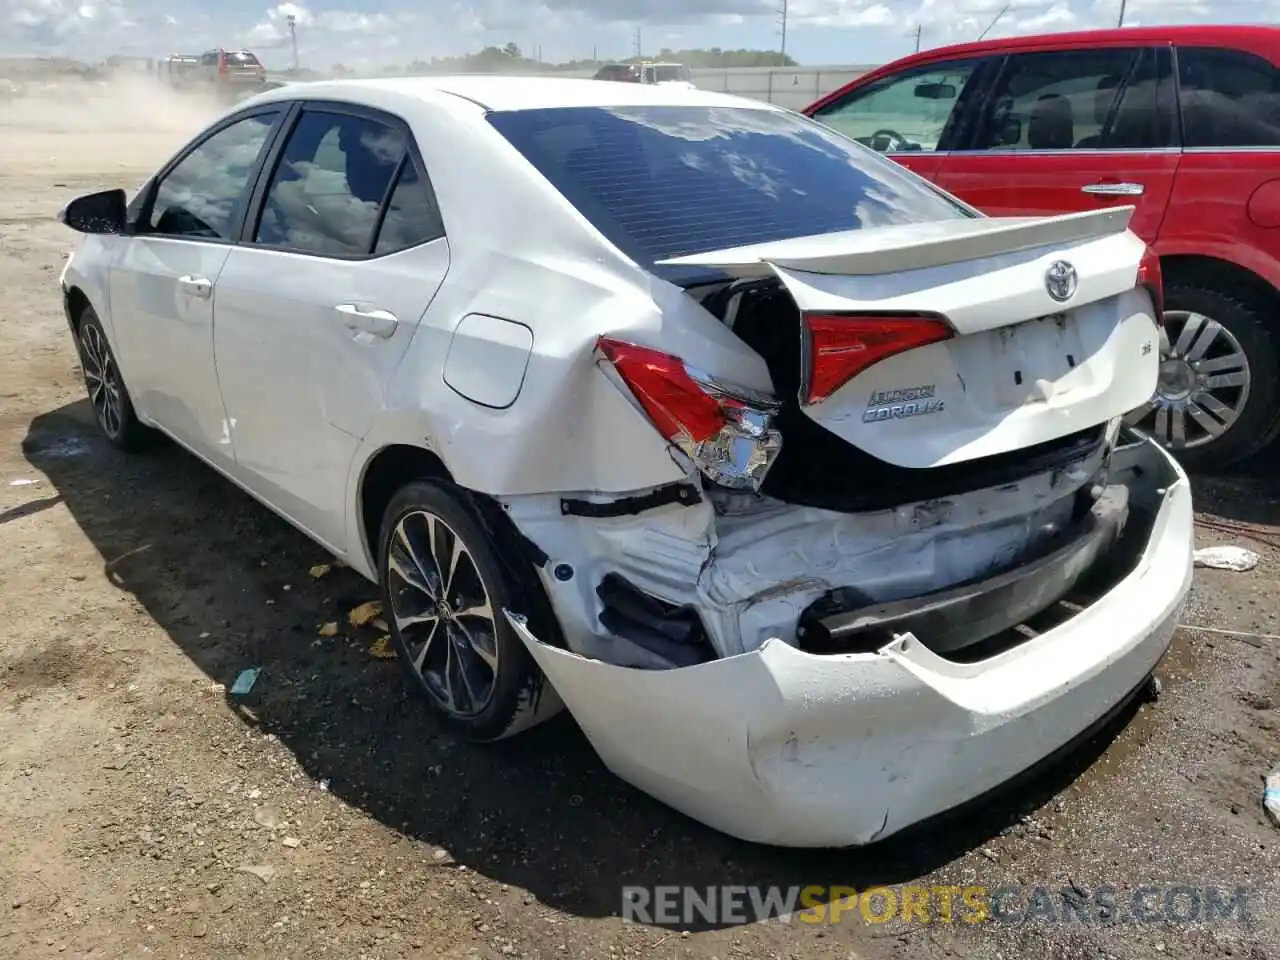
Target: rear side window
{"x":329,"y":184}
{"x":668,"y":181}
{"x":1228,"y":98}
{"x":412,"y":217}
{"x":1054,"y":101}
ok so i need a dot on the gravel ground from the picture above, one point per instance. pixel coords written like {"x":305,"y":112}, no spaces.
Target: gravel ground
{"x":150,"y":813}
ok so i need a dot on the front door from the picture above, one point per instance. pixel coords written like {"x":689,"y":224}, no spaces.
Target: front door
{"x":1069,"y":131}
{"x":317,"y":308}
{"x":163,"y":285}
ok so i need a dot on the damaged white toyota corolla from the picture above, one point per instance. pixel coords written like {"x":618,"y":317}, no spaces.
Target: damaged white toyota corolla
{"x":802,"y":483}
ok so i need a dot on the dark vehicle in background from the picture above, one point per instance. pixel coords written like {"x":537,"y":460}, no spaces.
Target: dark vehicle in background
{"x":623,"y":72}
{"x":1183,"y":123}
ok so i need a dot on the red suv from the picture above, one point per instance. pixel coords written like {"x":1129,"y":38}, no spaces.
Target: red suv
{"x":1181,"y":122}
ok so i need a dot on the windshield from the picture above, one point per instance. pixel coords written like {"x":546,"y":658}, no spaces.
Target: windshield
{"x":669,"y":181}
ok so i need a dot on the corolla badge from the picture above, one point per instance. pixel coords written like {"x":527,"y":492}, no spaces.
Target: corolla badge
{"x":1060,"y":280}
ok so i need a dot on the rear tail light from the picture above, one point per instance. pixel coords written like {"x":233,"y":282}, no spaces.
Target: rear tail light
{"x":222,"y":63}
{"x":841,"y":346}
{"x":1152,"y":277}
{"x":726,"y":430}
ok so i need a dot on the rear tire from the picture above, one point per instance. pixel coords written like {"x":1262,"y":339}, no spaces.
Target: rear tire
{"x":444,"y":590}
{"x":1218,"y":399}
{"x":108,"y":395}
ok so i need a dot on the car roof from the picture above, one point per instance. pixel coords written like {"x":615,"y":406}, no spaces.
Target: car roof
{"x":1216,"y":34}
{"x":501,"y":93}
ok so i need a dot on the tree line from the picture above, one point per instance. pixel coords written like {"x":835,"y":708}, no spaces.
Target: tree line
{"x":511,"y":59}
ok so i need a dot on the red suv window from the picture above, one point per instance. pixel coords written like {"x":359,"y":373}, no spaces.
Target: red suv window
{"x":1229,"y":98}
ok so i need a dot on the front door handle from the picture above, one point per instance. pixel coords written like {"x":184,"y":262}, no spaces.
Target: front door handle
{"x":200,"y":287}
{"x":381,"y":323}
{"x":1114,"y":189}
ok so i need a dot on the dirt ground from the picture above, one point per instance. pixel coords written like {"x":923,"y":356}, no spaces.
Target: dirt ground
{"x":147,"y":812}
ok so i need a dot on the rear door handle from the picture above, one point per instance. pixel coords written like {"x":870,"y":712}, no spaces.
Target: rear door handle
{"x":200,"y":287}
{"x":1114,"y":189}
{"x":381,"y":323}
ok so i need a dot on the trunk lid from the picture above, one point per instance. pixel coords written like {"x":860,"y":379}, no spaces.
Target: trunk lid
{"x":1018,"y":365}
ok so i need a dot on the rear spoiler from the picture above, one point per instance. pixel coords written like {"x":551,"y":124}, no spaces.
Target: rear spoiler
{"x":880,"y":250}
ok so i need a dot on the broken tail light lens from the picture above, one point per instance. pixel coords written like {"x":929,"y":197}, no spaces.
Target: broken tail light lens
{"x":727,"y":431}
{"x":1152,"y":277}
{"x":841,"y":346}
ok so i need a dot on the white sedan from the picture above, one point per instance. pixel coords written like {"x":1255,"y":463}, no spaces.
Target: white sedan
{"x":801,"y":484}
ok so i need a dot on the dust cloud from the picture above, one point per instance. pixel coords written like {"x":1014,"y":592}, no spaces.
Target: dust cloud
{"x":70,"y":127}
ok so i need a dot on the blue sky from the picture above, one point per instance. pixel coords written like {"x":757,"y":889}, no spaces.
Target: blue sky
{"x":370,"y":33}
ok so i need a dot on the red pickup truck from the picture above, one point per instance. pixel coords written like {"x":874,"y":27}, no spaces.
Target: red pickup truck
{"x":1183,"y":123}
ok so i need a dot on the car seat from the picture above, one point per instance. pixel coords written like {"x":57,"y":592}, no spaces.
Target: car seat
{"x":1052,"y":124}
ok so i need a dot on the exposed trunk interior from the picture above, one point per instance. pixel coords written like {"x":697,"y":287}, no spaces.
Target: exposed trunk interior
{"x":819,"y":469}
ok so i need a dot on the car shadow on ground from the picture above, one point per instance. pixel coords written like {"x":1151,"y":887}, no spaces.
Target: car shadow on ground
{"x":540,"y":812}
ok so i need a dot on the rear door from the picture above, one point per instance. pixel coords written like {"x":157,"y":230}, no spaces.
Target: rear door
{"x":341,"y":257}
{"x":913,"y":116}
{"x":1068,"y":131}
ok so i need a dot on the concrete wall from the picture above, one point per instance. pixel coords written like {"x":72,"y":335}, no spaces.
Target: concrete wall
{"x":794,"y":87}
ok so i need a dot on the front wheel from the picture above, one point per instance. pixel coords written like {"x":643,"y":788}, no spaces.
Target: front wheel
{"x":108,"y":395}
{"x":1217,"y":399}
{"x":445,"y":591}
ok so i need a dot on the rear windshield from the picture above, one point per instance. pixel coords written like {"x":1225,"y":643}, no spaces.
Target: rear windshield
{"x":668,"y":181}
{"x":248,"y":58}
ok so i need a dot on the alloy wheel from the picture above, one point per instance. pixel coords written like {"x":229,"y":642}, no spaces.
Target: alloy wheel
{"x":443,"y":612}
{"x":1203,"y":384}
{"x":102,"y":379}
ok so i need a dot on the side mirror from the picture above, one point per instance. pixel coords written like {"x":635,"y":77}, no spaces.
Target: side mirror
{"x":96,"y":213}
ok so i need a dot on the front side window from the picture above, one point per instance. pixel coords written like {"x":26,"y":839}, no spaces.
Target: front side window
{"x":201,"y":196}
{"x":329,"y":185}
{"x":1229,"y":98}
{"x":906,"y":113}
{"x":667,"y":181}
{"x":1054,"y":101}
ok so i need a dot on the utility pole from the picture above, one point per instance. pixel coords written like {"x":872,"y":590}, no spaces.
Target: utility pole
{"x":919,"y":27}
{"x":293,"y":38}
{"x":638,"y":47}
{"x":1123,"y":4}
{"x":782,"y":13}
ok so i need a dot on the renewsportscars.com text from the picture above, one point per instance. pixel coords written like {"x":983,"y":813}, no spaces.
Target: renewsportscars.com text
{"x":680,"y":907}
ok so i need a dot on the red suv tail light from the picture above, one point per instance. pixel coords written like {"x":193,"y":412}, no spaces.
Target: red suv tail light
{"x":841,"y":346}
{"x":1152,"y":277}
{"x":726,"y":430}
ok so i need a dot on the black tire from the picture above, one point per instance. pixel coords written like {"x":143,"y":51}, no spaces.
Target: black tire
{"x":108,"y":395}
{"x":518,"y":696}
{"x":1258,"y":422}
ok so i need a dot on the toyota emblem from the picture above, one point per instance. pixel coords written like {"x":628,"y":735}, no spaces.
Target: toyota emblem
{"x":1060,"y":280}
